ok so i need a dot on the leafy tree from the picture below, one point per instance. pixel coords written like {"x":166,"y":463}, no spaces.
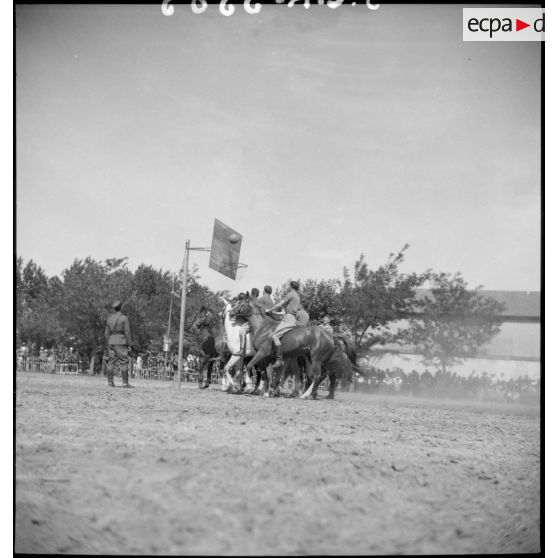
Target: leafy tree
{"x":152,"y":297}
{"x":321,"y":298}
{"x":34,"y":280}
{"x":153,"y":291}
{"x":452,"y":322}
{"x":20,"y":295}
{"x":37,"y":321}
{"x":40,"y":326}
{"x":31,"y":282}
{"x":371,"y":299}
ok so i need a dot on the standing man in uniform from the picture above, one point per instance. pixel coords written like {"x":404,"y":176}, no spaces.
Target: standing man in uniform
{"x":292,"y":305}
{"x":119,"y":339}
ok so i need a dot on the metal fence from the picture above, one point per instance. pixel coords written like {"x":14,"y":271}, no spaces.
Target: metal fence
{"x":45,"y":367}
{"x":167,"y":373}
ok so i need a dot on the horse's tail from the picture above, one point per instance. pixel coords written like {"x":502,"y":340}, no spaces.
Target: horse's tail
{"x":349,"y":348}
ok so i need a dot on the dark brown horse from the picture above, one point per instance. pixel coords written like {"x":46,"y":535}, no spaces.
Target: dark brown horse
{"x":313,"y":343}
{"x":214,"y":345}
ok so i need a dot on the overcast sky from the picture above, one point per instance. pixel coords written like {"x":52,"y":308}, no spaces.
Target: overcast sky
{"x":318,"y":134}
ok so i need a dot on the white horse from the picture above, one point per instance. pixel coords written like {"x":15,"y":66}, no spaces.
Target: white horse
{"x":239,"y":342}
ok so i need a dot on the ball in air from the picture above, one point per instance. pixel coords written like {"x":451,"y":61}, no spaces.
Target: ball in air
{"x":234,"y":238}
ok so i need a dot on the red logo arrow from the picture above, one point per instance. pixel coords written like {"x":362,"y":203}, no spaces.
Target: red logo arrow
{"x":519,"y":25}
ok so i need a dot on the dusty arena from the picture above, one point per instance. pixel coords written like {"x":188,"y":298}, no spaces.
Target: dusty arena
{"x":161,"y":470}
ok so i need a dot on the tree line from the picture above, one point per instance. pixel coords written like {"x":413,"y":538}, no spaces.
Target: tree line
{"x":375,"y":307}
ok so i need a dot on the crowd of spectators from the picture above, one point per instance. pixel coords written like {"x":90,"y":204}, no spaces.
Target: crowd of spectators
{"x":443,"y":385}
{"x":447,"y":385}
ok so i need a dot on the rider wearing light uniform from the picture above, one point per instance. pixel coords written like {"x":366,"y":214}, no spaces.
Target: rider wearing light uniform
{"x":265,"y":300}
{"x":292,"y":305}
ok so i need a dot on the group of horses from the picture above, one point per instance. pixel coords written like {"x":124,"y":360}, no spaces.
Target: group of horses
{"x":308,"y":351}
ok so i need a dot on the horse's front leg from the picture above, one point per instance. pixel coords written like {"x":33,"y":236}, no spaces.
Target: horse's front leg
{"x":261,"y":354}
{"x":297,"y":381}
{"x":265,"y":376}
{"x":306,"y":378}
{"x":238,"y":377}
{"x":307,"y":373}
{"x":258,"y":381}
{"x":290,"y":368}
{"x":332,"y":380}
{"x":229,"y":379}
{"x":277,"y":379}
{"x":317,"y":378}
{"x":203,"y":366}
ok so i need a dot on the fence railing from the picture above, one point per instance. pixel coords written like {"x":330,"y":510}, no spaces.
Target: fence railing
{"x":45,"y":367}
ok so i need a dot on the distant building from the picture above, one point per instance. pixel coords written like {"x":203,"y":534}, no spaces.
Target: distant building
{"x":515,"y":351}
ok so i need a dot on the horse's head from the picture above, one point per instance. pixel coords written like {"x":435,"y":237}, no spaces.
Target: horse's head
{"x":242,"y":306}
{"x":205,"y":319}
{"x":247,"y":306}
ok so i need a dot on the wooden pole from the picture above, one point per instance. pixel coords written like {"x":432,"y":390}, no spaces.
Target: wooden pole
{"x":182,"y":314}
{"x":167,"y":355}
{"x":170,"y":309}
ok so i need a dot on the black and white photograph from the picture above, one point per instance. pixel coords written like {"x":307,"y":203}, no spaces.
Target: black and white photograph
{"x":278,"y":278}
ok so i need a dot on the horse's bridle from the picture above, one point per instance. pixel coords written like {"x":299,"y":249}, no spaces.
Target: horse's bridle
{"x":206,"y":320}
{"x":233,"y":311}
{"x":251,"y":309}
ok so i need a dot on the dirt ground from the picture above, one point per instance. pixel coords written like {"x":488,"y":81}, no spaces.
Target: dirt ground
{"x":160,"y":470}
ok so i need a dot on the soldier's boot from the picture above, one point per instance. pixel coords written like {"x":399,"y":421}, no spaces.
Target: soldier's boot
{"x":279,"y":360}
{"x":110,"y":377}
{"x":125,"y":379}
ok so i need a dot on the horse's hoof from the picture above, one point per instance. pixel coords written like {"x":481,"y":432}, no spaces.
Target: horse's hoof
{"x":329,"y":397}
{"x":266,"y":394}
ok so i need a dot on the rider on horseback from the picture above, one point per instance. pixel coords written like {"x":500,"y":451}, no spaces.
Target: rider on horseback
{"x":292,"y":305}
{"x":265,"y":300}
